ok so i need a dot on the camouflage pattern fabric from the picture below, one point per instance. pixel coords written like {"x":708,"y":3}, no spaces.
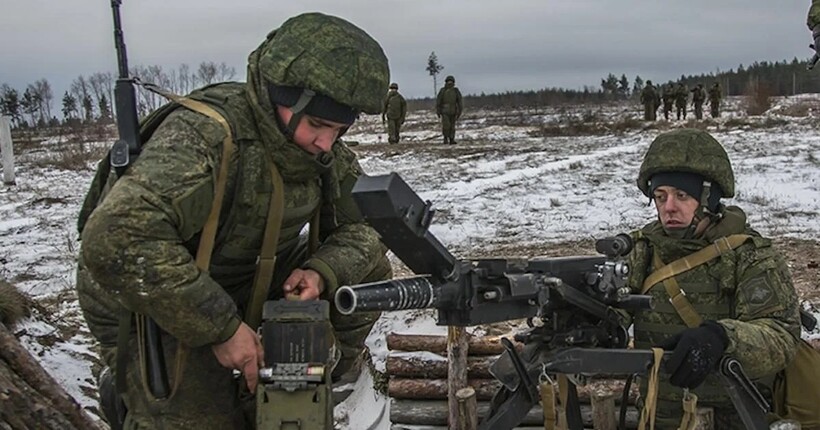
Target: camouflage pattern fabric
{"x":328,"y":55}
{"x":681,"y":97}
{"x":668,"y":99}
{"x":748,"y":291}
{"x":395,"y":110}
{"x":714,"y":100}
{"x":650,"y":100}
{"x":698,"y":98}
{"x":138,"y":243}
{"x":814,"y":14}
{"x":449,"y":107}
{"x":687,"y":150}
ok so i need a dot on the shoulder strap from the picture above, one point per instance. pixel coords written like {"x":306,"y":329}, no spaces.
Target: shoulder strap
{"x":667,"y":273}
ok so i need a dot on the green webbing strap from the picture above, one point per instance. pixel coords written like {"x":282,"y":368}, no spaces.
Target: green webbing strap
{"x":204,"y":251}
{"x":693,"y":260}
{"x":266,"y":262}
{"x":678,"y":299}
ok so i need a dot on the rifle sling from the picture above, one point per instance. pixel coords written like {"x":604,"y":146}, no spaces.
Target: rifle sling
{"x":666,"y":274}
{"x":207,"y":241}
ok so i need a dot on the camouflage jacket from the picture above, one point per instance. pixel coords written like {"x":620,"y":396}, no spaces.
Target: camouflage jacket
{"x":395,"y":107}
{"x":814,"y":14}
{"x":650,"y":96}
{"x":138,"y":244}
{"x":448,"y":101}
{"x":714,"y":94}
{"x":698,"y":95}
{"x":681,"y":96}
{"x":747,"y":290}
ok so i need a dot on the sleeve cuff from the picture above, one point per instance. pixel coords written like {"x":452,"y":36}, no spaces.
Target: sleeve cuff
{"x":323,"y":269}
{"x":229,"y":329}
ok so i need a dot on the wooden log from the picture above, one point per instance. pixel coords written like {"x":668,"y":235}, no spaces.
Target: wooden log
{"x":488,"y":345}
{"x":436,"y":389}
{"x":603,"y":410}
{"x":417,"y":367}
{"x":435,"y":413}
{"x":457,"y":372}
{"x":467,"y":413}
{"x":30,"y":397}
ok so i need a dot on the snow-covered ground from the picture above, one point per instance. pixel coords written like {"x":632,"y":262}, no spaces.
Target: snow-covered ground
{"x":506,"y":182}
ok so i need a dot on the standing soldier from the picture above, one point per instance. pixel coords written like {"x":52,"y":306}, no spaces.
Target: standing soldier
{"x":714,"y":100}
{"x":650,"y":100}
{"x":681,"y":97}
{"x":448,"y":108}
{"x":668,"y":98}
{"x":395,"y":109}
{"x":698,"y":98}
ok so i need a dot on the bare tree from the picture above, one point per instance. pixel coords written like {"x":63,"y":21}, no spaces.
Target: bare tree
{"x":102,"y":86}
{"x":206,"y":73}
{"x":80,"y":90}
{"x":45,"y":96}
{"x":224,"y":72}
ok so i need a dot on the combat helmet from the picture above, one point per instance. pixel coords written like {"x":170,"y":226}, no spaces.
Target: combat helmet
{"x":394,"y":86}
{"x":322,"y":65}
{"x":688,"y":151}
{"x":450,"y":78}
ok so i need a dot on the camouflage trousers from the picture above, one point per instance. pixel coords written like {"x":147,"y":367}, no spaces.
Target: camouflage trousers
{"x":681,"y":112}
{"x":448,"y":128}
{"x":393,"y":130}
{"x":209,"y":396}
{"x":699,"y":111}
{"x":649,"y":112}
{"x":715,"y":110}
{"x":667,"y":109}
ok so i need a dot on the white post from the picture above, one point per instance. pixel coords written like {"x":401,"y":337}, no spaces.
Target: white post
{"x":6,"y":149}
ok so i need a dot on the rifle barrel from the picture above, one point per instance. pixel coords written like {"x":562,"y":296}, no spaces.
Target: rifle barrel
{"x":418,"y":292}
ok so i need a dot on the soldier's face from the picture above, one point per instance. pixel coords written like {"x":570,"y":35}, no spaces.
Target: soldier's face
{"x":314,"y":135}
{"x":676,"y":208}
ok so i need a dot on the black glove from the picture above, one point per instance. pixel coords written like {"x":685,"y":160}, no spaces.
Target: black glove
{"x":696,"y":353}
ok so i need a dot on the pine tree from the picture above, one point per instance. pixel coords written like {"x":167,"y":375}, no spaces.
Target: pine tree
{"x":434,"y":68}
{"x":69,"y":106}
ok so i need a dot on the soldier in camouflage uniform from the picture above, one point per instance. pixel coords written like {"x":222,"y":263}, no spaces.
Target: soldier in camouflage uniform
{"x":668,"y":98}
{"x":650,"y":100}
{"x":394,"y":112}
{"x":744,"y":296}
{"x":307,"y":83}
{"x":698,"y":98}
{"x":681,"y":97}
{"x":448,"y":108}
{"x":714,"y":100}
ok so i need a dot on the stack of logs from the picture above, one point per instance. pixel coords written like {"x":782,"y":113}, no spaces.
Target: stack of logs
{"x":418,"y":387}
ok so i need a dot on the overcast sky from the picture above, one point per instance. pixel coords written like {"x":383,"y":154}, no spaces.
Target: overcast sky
{"x":489,"y":45}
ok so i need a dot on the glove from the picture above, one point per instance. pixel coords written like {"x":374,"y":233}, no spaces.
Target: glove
{"x":695,"y":353}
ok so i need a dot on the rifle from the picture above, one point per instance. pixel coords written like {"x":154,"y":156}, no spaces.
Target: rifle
{"x":574,"y":305}
{"x":123,"y":152}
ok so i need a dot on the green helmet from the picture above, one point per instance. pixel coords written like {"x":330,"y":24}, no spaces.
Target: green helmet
{"x":449,"y":78}
{"x":688,"y":150}
{"x":329,"y":56}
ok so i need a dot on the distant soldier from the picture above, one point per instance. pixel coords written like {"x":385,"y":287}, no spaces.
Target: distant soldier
{"x":668,"y":99}
{"x":698,"y":98}
{"x":448,"y":108}
{"x":650,"y":100}
{"x":714,"y":100}
{"x":681,"y":97}
{"x":395,"y":109}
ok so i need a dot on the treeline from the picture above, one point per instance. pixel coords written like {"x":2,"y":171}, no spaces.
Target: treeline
{"x":89,"y":98}
{"x":779,"y":79}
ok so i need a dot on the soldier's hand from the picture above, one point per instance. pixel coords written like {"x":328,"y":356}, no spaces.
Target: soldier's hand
{"x":243,"y":352}
{"x":307,"y":284}
{"x":696,"y":353}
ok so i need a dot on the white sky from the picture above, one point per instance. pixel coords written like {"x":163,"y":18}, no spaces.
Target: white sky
{"x":490,"y":46}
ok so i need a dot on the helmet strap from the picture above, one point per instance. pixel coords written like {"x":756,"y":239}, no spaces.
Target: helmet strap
{"x":298,"y":111}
